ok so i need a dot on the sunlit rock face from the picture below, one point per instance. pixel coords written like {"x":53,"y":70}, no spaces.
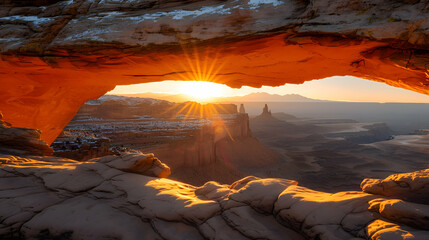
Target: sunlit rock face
{"x":413,"y":187}
{"x":55,"y":55}
{"x":56,"y":198}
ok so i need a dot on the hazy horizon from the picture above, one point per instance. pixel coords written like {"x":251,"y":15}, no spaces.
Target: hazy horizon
{"x":348,"y":89}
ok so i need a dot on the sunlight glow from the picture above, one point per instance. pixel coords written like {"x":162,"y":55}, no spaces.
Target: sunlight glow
{"x":201,"y":91}
{"x":191,"y":110}
{"x":200,"y":66}
{"x":339,"y":88}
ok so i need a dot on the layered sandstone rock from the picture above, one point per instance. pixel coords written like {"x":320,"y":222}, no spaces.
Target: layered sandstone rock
{"x":46,"y":197}
{"x":55,"y":55}
{"x":136,"y":162}
{"x":413,"y":187}
{"x":21,"y":141}
{"x":384,"y":230}
{"x":412,"y":214}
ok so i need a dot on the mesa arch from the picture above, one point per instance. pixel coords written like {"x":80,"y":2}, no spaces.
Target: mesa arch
{"x":55,"y":55}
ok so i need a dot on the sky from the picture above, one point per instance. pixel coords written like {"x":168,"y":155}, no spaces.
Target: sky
{"x":344,"y":88}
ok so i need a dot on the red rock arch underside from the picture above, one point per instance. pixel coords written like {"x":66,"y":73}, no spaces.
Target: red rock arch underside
{"x":55,"y":55}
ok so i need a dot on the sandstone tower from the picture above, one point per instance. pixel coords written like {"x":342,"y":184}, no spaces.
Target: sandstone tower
{"x":265,"y":111}
{"x":242,"y":110}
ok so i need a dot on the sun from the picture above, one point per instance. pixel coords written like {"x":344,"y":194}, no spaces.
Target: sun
{"x":202,"y":91}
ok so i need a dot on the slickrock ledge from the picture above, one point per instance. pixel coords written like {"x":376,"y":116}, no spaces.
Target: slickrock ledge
{"x":55,"y":55}
{"x":21,"y":141}
{"x":413,"y":187}
{"x":48,"y":197}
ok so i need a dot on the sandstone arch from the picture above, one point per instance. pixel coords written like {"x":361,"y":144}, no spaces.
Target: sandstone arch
{"x":56,"y":57}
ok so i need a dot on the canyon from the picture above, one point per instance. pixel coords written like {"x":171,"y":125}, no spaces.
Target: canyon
{"x":200,"y":142}
{"x":221,"y":146}
{"x":334,"y":155}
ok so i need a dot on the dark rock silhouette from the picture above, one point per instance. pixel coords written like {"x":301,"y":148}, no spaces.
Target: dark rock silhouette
{"x":265,"y":111}
{"x":266,"y":115}
{"x":21,"y":141}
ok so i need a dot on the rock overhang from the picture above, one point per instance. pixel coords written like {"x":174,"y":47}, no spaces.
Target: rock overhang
{"x":57,"y":55}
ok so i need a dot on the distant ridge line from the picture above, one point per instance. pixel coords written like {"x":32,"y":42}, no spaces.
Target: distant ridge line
{"x":252,"y":97}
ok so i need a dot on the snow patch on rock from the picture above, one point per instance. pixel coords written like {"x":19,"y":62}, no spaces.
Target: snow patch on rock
{"x":257,"y":3}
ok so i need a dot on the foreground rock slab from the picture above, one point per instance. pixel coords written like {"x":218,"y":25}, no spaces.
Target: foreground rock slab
{"x":48,"y":197}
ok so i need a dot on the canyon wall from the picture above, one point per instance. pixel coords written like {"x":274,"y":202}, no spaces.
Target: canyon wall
{"x":184,"y":135}
{"x":117,"y":107}
{"x":223,"y":151}
{"x":55,"y":55}
{"x":206,"y":146}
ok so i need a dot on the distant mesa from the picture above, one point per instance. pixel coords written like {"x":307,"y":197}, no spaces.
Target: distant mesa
{"x":283,"y":116}
{"x":266,"y":97}
{"x":368,"y":133}
{"x":420,"y":132}
{"x":122,"y":107}
{"x":252,"y":97}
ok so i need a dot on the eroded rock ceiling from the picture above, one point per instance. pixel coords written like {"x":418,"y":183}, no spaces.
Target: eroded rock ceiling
{"x":55,"y":55}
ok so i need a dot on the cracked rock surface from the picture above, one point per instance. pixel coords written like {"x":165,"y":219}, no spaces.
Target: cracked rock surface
{"x":48,"y":197}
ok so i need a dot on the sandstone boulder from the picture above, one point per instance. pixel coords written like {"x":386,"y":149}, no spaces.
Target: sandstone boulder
{"x":136,"y":162}
{"x":323,"y":215}
{"x":21,"y":141}
{"x":383,"y":230}
{"x":412,"y":214}
{"x":413,"y":187}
